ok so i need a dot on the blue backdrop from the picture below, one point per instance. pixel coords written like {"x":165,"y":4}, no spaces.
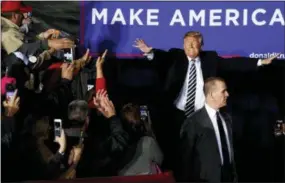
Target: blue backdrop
{"x":259,"y":28}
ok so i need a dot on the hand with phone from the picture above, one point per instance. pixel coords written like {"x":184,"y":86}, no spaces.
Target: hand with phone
{"x":11,"y":104}
{"x":60,"y":139}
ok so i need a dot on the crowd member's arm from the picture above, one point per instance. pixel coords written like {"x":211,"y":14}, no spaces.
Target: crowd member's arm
{"x":59,"y":98}
{"x":118,"y":138}
{"x":78,"y":64}
{"x":43,"y":60}
{"x":53,"y":166}
{"x":11,"y":107}
{"x":162,"y":59}
{"x":100,"y":81}
{"x":41,"y":45}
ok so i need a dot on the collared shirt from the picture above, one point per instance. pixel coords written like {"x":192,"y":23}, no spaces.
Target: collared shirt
{"x":212,"y":114}
{"x":180,"y":101}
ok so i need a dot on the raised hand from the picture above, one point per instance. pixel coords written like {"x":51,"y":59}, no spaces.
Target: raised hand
{"x":140,"y":44}
{"x":67,"y":71}
{"x":61,"y":141}
{"x":269,"y":60}
{"x":12,"y":105}
{"x":104,"y":104}
{"x":59,"y":44}
{"x":98,"y":98}
{"x":50,"y":33}
{"x":100,"y":60}
{"x":85,"y":59}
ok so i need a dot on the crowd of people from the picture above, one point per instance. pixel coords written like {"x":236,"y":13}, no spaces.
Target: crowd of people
{"x":97,"y":138}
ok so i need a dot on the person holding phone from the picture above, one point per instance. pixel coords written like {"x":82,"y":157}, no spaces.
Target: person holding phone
{"x":9,"y":109}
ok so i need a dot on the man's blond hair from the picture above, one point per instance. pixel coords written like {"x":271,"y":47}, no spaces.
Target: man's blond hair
{"x":195,"y":34}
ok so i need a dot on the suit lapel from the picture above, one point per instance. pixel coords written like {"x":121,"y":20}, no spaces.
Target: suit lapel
{"x":206,"y":119}
{"x":182,"y":67}
{"x":180,"y":71}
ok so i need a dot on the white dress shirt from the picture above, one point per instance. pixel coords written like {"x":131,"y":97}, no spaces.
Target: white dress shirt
{"x":180,"y":101}
{"x":212,"y":114}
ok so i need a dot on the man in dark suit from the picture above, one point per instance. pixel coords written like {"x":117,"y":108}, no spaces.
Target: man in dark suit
{"x":206,"y":139}
{"x":183,"y":73}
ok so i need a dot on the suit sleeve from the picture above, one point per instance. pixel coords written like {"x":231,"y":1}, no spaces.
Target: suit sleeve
{"x":118,"y":139}
{"x":33,"y":48}
{"x":188,"y":138}
{"x":163,"y":59}
{"x":237,"y":64}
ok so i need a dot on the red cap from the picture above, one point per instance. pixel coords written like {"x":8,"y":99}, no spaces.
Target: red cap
{"x":12,"y":6}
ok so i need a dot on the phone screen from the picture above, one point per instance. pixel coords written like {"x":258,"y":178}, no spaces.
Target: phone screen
{"x":143,"y":112}
{"x":9,"y":95}
{"x":68,"y":55}
{"x":57,"y":127}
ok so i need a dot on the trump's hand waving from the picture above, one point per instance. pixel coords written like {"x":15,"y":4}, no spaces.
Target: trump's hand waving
{"x":269,"y":60}
{"x":140,"y":44}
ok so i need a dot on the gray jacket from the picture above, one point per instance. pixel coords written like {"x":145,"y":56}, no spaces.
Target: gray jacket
{"x":147,"y":154}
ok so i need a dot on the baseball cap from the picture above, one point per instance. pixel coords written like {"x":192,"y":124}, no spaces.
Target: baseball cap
{"x":13,"y":6}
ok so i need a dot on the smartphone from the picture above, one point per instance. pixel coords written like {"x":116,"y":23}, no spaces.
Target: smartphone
{"x":68,"y":55}
{"x":57,"y":127}
{"x":10,"y":91}
{"x":144,"y":112}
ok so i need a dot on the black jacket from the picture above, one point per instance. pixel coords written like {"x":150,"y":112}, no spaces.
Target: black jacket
{"x":199,"y":158}
{"x":172,"y":66}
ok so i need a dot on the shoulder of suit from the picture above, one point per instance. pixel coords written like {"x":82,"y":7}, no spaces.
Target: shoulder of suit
{"x":210,"y":53}
{"x":194,"y":118}
{"x":227,"y":116}
{"x":176,"y":50}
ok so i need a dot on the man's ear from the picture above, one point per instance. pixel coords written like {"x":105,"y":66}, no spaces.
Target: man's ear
{"x":212,"y":95}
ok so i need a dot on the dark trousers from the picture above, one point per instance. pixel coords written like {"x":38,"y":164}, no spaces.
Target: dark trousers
{"x":171,"y":143}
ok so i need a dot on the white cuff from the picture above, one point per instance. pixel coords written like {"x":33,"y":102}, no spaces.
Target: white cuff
{"x":149,"y":56}
{"x":259,"y":62}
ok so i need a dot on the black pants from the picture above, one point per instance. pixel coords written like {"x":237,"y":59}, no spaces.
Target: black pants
{"x":174,"y":120}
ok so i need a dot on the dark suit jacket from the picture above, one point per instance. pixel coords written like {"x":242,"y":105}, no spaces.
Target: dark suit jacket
{"x":199,"y":154}
{"x":173,"y":65}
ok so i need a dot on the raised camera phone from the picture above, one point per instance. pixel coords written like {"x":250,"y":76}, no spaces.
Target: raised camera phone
{"x":10,"y":91}
{"x":57,"y":127}
{"x":144,"y":112}
{"x":68,"y":54}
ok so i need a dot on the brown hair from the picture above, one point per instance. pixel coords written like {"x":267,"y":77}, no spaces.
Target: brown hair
{"x":195,"y":34}
{"x":131,"y":112}
{"x":210,"y":84}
